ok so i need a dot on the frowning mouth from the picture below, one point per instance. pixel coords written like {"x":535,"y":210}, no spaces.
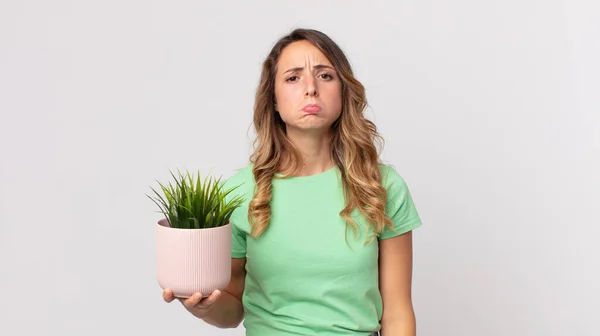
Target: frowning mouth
{"x":311,"y":108}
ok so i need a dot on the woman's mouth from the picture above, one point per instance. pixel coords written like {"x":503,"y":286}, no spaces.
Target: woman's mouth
{"x":311,"y":108}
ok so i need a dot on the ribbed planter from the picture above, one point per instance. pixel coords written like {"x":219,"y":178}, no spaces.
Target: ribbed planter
{"x":193,"y":260}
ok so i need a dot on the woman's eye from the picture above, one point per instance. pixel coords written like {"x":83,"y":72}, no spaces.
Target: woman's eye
{"x":291,"y":79}
{"x":326,"y":76}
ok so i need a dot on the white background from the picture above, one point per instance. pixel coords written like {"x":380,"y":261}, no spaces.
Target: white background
{"x":490,"y":111}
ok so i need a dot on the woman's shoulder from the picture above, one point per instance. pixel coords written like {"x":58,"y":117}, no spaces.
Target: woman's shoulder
{"x":390,"y":176}
{"x":393,"y":182}
{"x":242,"y":180}
{"x":241,"y":174}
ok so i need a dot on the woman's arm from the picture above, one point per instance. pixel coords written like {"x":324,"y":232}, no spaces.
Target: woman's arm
{"x":228,"y":311}
{"x":395,"y":282}
{"x":222,"y":309}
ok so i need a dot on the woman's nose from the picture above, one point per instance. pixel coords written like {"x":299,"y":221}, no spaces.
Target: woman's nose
{"x":311,"y":87}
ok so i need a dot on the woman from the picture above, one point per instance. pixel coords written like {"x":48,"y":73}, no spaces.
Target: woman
{"x":323,"y":243}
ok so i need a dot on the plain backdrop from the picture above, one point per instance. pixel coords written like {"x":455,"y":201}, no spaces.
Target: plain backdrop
{"x":490,"y":111}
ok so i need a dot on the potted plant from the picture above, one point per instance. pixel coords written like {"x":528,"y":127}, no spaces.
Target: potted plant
{"x":193,"y":241}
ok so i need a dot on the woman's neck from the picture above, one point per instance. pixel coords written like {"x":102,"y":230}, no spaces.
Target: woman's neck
{"x":315,"y":151}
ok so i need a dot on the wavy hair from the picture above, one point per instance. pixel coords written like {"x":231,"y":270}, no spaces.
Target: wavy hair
{"x":353,"y":149}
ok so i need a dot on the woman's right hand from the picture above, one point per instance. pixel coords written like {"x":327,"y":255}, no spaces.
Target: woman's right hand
{"x":195,"y":304}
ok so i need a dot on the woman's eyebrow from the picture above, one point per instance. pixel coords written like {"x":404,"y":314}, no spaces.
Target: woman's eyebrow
{"x":318,"y":66}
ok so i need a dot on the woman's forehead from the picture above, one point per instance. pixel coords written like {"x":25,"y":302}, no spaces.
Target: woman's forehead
{"x":301,"y":54}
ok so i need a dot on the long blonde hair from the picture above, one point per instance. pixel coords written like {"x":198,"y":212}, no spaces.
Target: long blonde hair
{"x":353,"y":149}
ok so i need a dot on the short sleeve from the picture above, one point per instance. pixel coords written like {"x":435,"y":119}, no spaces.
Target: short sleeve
{"x":238,"y":242}
{"x":238,"y":236}
{"x":400,"y":206}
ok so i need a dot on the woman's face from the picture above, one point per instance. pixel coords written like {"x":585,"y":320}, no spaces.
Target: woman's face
{"x":308,"y":91}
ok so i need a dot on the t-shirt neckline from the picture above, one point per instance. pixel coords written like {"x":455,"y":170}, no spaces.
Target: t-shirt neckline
{"x":307,"y":178}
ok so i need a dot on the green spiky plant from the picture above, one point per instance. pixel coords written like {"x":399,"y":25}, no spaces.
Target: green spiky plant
{"x":193,"y":203}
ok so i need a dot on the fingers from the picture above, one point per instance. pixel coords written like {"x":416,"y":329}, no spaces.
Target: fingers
{"x":198,"y":302}
{"x":212,"y":298}
{"x":193,"y":301}
{"x":168,"y":295}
